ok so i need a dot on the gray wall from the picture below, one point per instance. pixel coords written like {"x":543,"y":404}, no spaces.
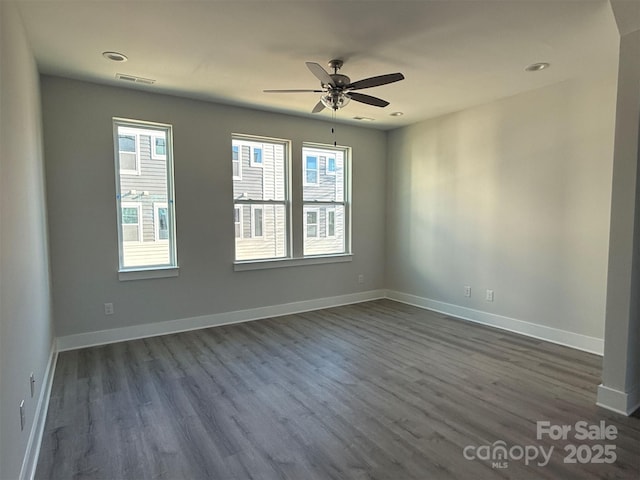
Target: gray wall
{"x":512,"y":196}
{"x":83,"y":237}
{"x":25,"y":320}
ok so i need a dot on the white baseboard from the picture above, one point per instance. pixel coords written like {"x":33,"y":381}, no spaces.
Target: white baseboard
{"x":617,"y":401}
{"x":30,"y":460}
{"x":542,"y":332}
{"x":102,"y":337}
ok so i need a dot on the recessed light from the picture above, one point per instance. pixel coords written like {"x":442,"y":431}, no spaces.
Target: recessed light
{"x":115,"y":56}
{"x":364,"y":119}
{"x":396,"y":114}
{"x":536,"y":67}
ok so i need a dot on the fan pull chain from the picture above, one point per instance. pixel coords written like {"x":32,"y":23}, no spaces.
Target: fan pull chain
{"x":333,"y":130}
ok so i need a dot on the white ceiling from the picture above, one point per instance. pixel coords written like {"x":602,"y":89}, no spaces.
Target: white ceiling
{"x":454,"y":54}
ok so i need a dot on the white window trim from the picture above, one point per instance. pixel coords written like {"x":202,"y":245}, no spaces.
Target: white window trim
{"x":137,"y":206}
{"x":154,"y":155}
{"x":305,"y":169}
{"x":326,"y":222}
{"x":239,"y":161}
{"x":156,"y":220}
{"x":253,"y":220}
{"x":317,"y":224}
{"x":136,"y":135}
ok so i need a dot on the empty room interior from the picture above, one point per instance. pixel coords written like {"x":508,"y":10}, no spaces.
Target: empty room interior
{"x":319,"y":239}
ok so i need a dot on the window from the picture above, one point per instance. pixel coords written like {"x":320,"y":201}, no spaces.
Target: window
{"x":311,"y":222}
{"x":331,"y":166}
{"x":330,"y":219}
{"x":264,"y":225}
{"x":325,"y":206}
{"x":236,"y":163}
{"x":256,"y":156}
{"x":131,"y":222}
{"x":128,"y":149}
{"x":158,"y":147}
{"x":310,"y":170}
{"x":237,"y":221}
{"x":146,"y":223}
{"x":257,"y":226}
{"x":261,"y":198}
{"x":161,"y":221}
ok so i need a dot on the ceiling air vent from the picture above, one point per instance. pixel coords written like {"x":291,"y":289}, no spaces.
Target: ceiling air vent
{"x":134,"y":79}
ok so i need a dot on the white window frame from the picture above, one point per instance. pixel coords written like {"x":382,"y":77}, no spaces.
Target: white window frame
{"x":305,"y":182}
{"x":327,"y":211}
{"x":318,"y":150}
{"x":156,"y":220}
{"x":138,"y":207}
{"x":317,"y":224}
{"x":136,"y":135}
{"x":238,"y":161}
{"x":155,"y":155}
{"x":255,"y":208}
{"x":169,"y":269}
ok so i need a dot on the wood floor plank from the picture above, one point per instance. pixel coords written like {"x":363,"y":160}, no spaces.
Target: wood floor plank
{"x":372,"y":391}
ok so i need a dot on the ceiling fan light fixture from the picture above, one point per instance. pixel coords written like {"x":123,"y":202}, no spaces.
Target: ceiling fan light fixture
{"x":334,"y":100}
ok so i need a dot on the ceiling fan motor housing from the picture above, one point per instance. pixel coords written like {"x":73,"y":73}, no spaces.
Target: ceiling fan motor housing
{"x":340,"y":80}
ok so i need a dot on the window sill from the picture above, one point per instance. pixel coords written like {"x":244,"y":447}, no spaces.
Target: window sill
{"x":147,"y":273}
{"x":290,"y":262}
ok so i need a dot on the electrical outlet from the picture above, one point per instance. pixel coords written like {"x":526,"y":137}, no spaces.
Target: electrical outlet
{"x":32,"y":383}
{"x":21,"y":405}
{"x":467,"y":291}
{"x":361,"y":279}
{"x":489,"y":296}
{"x":108,"y":308}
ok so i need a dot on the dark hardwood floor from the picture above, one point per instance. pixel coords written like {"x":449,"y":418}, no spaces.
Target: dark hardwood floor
{"x":378,"y":390}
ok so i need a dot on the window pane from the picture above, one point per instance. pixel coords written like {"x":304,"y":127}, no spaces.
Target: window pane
{"x":264,"y":182}
{"x":129,"y":215}
{"x":127,"y":143}
{"x":272,"y":242}
{"x":321,"y":183}
{"x":329,"y":230}
{"x":163,"y":223}
{"x":257,"y":222}
{"x":160,"y":146}
{"x":146,"y":219}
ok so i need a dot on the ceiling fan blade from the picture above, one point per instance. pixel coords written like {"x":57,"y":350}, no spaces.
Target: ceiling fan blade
{"x":293,"y":91}
{"x":320,"y":73}
{"x":375,"y":81}
{"x":368,"y":99}
{"x":318,"y":108}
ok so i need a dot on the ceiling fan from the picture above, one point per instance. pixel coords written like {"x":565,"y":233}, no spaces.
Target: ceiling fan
{"x":337,"y":89}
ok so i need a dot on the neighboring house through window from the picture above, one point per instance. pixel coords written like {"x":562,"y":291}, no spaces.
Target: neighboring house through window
{"x":261,"y":197}
{"x":325,"y":194}
{"x":144,"y":195}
